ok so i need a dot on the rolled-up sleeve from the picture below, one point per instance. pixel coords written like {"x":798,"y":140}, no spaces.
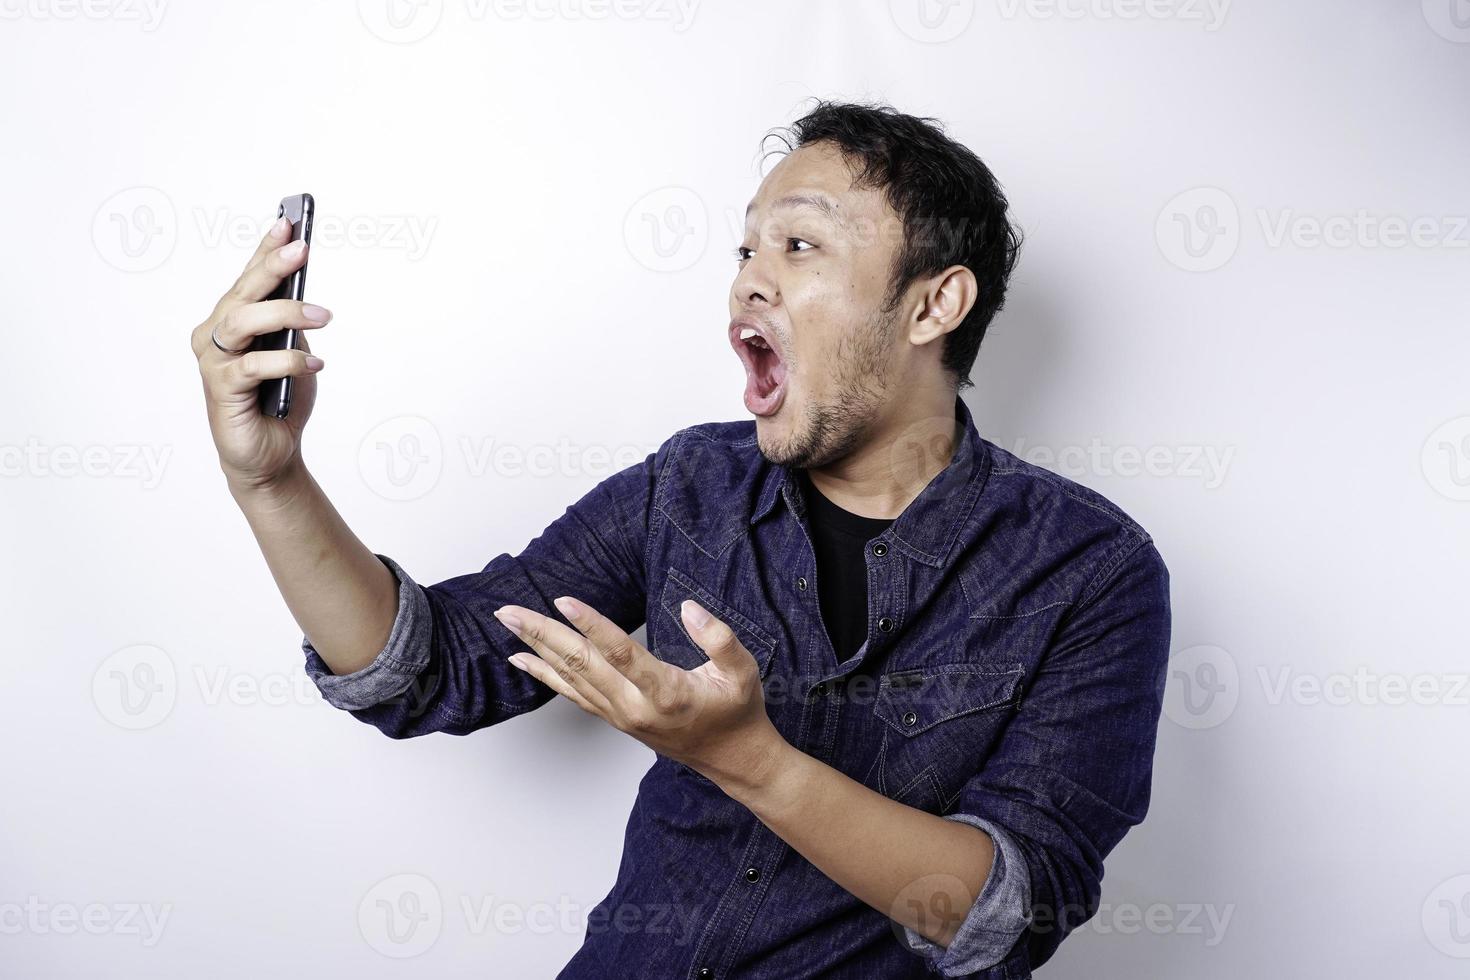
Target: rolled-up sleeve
{"x":995,"y":921}
{"x":402,"y":659}
{"x":1073,"y":770}
{"x":444,"y":667}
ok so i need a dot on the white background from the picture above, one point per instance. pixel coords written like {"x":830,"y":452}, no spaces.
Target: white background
{"x":1216,"y":322}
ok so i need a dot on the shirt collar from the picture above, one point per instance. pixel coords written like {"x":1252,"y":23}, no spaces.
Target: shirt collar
{"x":929,"y":526}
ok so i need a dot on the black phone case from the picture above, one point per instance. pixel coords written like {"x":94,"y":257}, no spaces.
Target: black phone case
{"x":275,"y":394}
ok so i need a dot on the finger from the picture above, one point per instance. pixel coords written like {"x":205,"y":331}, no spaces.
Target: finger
{"x":572,"y":657}
{"x":246,"y":372}
{"x":642,"y":669}
{"x":242,"y":324}
{"x":275,"y":236}
{"x":715,"y":638}
{"x":259,"y":280}
{"x":542,"y":671}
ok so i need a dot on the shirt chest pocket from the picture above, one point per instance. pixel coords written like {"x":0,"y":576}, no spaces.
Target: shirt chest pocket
{"x":671,"y":643}
{"x":939,"y":724}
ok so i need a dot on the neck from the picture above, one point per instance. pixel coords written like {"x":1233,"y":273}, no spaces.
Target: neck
{"x":908,"y":447}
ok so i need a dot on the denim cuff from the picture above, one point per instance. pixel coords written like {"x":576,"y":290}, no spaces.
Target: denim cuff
{"x":1000,"y":914}
{"x":401,"y":660}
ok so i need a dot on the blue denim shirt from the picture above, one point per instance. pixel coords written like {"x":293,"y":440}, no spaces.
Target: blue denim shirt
{"x":1018,"y":632}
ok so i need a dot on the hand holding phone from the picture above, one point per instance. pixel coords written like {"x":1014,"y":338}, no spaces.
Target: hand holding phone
{"x":258,"y":370}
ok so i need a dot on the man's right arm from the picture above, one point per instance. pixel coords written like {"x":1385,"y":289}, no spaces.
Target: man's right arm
{"x":407,"y":659}
{"x":441,"y":665}
{"x":337,"y":590}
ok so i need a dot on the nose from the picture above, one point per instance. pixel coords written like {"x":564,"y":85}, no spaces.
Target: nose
{"x":754,"y":286}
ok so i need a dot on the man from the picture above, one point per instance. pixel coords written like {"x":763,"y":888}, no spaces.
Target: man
{"x":903,"y":687}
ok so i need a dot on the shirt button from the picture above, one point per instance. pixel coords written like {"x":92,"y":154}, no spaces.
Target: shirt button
{"x":801,"y":582}
{"x":909,"y":719}
{"x":885,"y":625}
{"x":880,"y":549}
{"x":822,"y":689}
{"x":752,"y":874}
{"x":705,"y":973}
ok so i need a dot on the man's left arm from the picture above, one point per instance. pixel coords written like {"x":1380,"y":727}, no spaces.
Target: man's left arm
{"x":919,"y":869}
{"x":935,"y":876}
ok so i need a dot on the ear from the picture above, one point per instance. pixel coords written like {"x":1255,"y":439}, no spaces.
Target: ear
{"x":940,"y":303}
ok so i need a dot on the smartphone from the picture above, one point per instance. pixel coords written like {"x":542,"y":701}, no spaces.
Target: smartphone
{"x":275,"y":393}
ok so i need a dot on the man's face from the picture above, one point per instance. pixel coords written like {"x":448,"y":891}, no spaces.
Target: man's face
{"x":813,"y":280}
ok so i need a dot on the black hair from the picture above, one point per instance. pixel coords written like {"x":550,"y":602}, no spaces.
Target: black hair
{"x":951,"y":205}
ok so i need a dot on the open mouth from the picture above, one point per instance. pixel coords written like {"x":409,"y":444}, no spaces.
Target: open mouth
{"x":765,"y":372}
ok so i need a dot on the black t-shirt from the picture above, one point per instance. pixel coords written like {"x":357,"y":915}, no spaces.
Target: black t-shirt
{"x":840,"y":539}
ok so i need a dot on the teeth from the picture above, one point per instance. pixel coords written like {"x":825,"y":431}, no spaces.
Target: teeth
{"x":749,"y":335}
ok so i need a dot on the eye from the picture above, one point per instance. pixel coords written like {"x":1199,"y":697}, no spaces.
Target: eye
{"x":742,"y":253}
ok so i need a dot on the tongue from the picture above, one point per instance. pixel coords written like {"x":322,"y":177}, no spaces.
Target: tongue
{"x":765,"y":386}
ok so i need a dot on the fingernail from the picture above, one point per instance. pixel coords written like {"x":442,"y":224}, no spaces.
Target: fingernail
{"x":279,"y":226}
{"x":316,"y":314}
{"x":516,"y":659}
{"x":314,"y":363}
{"x":694,"y":614}
{"x":292,"y":250}
{"x":509,"y":620}
{"x":569,"y":607}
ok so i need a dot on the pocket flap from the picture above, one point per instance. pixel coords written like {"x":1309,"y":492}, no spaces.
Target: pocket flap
{"x":679,"y":587}
{"x":913,"y":701}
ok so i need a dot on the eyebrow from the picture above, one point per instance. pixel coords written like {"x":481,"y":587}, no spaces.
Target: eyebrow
{"x":815,"y":202}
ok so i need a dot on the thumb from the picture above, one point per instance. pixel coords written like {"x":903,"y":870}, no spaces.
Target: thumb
{"x":715,"y":638}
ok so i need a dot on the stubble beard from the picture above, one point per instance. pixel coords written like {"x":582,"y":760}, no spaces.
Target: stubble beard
{"x":832,"y":429}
